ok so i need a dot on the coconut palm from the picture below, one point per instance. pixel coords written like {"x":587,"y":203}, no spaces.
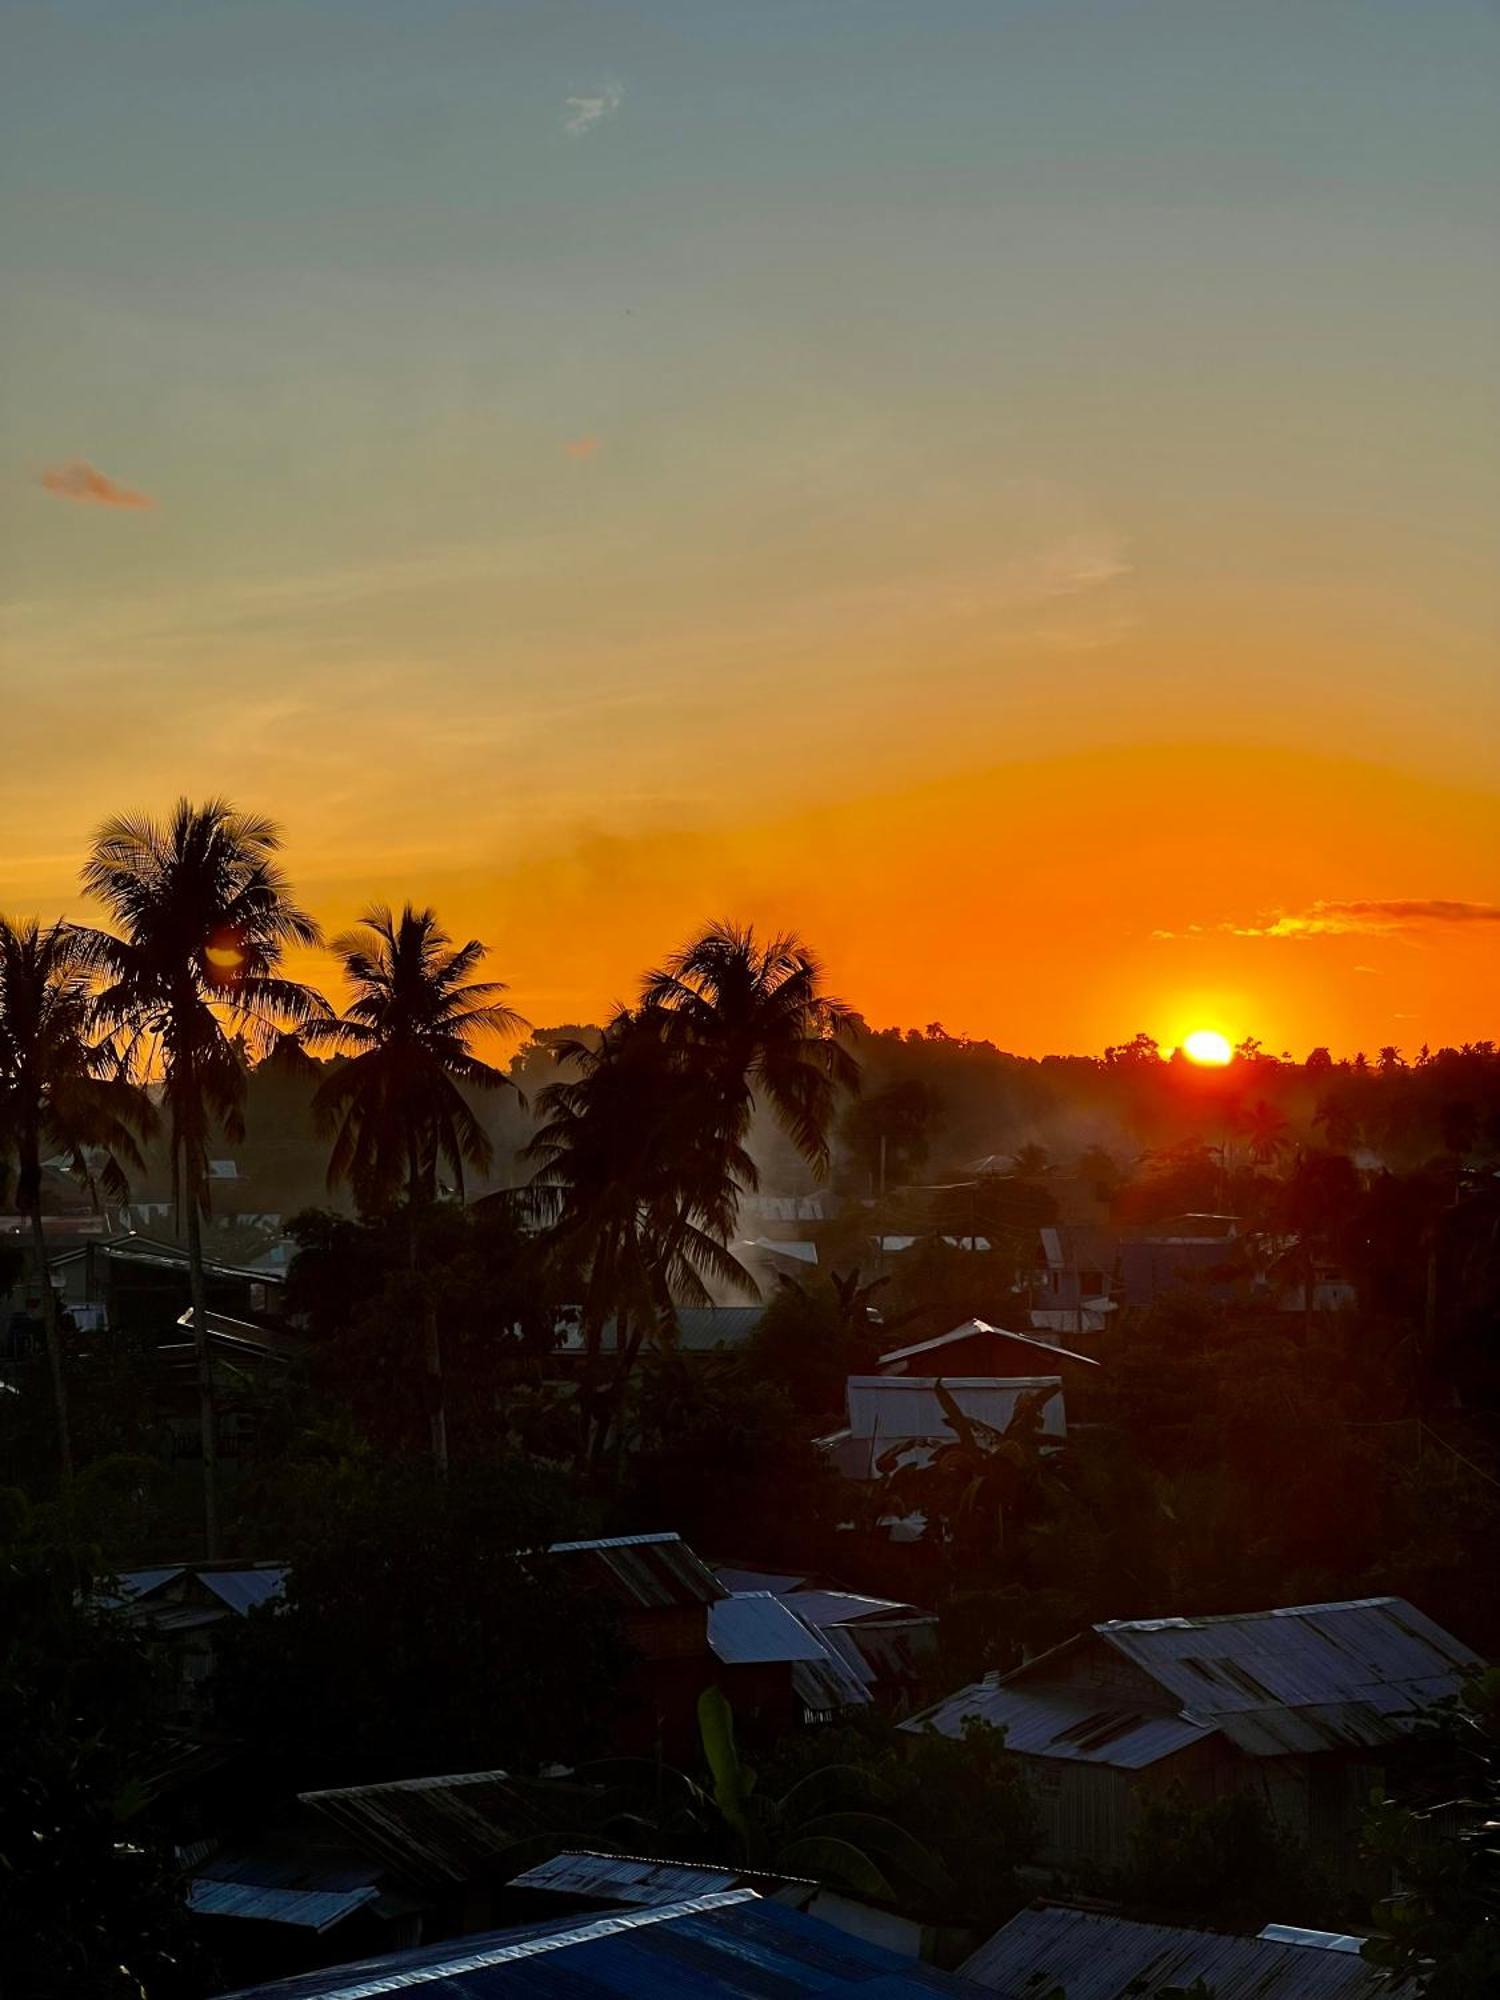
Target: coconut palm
{"x":760,"y":1028}
{"x":60,"y":1092}
{"x":190,"y":982}
{"x":639,"y":1191}
{"x":397,"y":1109}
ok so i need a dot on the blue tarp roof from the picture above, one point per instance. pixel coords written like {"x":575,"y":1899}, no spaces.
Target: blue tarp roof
{"x":729,"y":1944}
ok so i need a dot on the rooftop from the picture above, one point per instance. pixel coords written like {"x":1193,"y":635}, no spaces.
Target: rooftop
{"x":729,"y":1943}
{"x":1098,"y":1957}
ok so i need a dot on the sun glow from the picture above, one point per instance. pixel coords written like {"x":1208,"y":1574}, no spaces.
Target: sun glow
{"x":1208,"y":1046}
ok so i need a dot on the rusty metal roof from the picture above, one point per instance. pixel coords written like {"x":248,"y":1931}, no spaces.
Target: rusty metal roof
{"x":1304,"y":1678}
{"x":1096,"y":1957}
{"x":644,"y":1572}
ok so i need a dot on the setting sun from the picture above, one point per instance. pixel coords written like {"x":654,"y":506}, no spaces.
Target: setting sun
{"x":1207,"y":1045}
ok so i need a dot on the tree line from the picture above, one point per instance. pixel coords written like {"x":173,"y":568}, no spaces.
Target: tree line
{"x":108,"y":1033}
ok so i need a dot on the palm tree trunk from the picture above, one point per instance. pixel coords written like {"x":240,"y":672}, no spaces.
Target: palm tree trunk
{"x":52,"y":1327}
{"x":432,"y":1346}
{"x":207,"y":1414}
{"x":437,"y":1416}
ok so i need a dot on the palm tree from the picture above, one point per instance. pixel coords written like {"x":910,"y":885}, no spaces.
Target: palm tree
{"x":397,"y":1110}
{"x":1267,"y":1131}
{"x":759,"y":1026}
{"x":192,"y":981}
{"x":638,"y":1190}
{"x":643,"y":1159}
{"x":60,"y":1091}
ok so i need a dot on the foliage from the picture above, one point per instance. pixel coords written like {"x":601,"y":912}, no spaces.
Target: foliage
{"x":422,"y":1630}
{"x":1226,"y":1863}
{"x":961,"y":1800}
{"x":61,"y":1091}
{"x":721,"y":1457}
{"x":1440,"y":1926}
{"x":89,"y":1908}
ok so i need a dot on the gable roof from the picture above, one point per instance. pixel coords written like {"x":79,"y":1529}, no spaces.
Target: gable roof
{"x":1293,"y":1681}
{"x":1099,"y":1957}
{"x":1305,"y":1677}
{"x":972,"y":1329}
{"x":727,"y":1943}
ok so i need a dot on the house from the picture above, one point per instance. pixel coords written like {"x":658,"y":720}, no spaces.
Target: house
{"x":891,"y":1413}
{"x":140,"y":1284}
{"x":1298,"y":1706}
{"x":1073,"y":1291}
{"x":706,"y":1947}
{"x":890,"y":1646}
{"x":1200,"y":1254}
{"x":662,"y":1594}
{"x":778,"y":1671}
{"x":1091,"y":1955}
{"x":977,"y":1348}
{"x":185,"y":1606}
{"x":244,"y":1356}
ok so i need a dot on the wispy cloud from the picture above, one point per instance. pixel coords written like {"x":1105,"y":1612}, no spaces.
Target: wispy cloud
{"x":582,"y":114}
{"x":1361,"y":918}
{"x":582,"y":447}
{"x":78,"y":480}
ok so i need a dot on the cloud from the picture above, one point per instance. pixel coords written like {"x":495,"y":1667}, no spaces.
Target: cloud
{"x":581,"y":447}
{"x":584,"y":113}
{"x":78,"y":480}
{"x":1363,"y":918}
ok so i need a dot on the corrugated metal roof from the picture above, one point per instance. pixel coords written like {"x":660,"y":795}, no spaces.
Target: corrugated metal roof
{"x":1069,"y":1723}
{"x":644,"y":1572}
{"x":847,"y":1607}
{"x":778,"y":1582}
{"x":972,"y":1329}
{"x":1304,"y":1678}
{"x":890,"y":1408}
{"x":443,"y":1829}
{"x":306,"y":1909}
{"x":733,"y":1943}
{"x":755,"y":1626}
{"x":243,"y":1589}
{"x":135,"y":1583}
{"x":635,"y":1881}
{"x":1094,"y":1957}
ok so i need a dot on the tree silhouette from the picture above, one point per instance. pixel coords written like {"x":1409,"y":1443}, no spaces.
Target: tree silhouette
{"x":396,"y":1110}
{"x":60,"y":1091}
{"x":193,"y":977}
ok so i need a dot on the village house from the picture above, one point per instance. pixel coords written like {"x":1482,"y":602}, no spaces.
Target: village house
{"x":978,"y":1349}
{"x":903,"y":1414}
{"x":1300,"y":1707}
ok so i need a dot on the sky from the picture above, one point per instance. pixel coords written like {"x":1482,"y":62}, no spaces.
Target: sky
{"x":1006,"y":488}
